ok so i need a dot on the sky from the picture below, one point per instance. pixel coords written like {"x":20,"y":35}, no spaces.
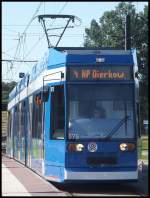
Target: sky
{"x":17,"y":15}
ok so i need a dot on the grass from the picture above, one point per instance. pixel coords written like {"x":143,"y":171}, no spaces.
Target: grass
{"x":143,"y":148}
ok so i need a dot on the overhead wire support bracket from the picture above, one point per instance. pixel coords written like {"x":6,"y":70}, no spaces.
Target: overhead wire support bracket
{"x":63,"y":32}
{"x":43,"y":18}
{"x":44,"y":27}
{"x":59,"y":28}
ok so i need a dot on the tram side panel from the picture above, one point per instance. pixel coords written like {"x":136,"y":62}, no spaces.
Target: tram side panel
{"x":29,"y":131}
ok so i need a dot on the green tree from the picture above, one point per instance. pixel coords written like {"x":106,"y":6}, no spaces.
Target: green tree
{"x":109,"y":31}
{"x":6,"y":89}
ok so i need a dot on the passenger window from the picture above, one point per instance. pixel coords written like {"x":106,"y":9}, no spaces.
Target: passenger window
{"x":37,"y":120}
{"x":17,"y":120}
{"x":22,"y":115}
{"x":57,"y":112}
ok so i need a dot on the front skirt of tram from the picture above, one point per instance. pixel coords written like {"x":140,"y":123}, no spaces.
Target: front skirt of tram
{"x":100,"y":161}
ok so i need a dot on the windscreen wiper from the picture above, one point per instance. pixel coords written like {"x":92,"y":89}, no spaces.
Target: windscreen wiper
{"x":115,"y":129}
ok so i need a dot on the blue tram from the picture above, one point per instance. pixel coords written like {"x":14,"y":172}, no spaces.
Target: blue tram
{"x":75,"y":116}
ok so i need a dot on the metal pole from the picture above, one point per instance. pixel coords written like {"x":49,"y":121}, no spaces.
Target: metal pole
{"x":127,"y":33}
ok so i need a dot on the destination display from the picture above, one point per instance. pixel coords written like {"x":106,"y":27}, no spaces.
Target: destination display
{"x":100,"y":73}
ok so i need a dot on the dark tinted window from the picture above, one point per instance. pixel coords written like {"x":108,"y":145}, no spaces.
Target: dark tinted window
{"x":57,"y":112}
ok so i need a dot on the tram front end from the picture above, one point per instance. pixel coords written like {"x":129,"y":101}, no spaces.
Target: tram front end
{"x":101,"y":119}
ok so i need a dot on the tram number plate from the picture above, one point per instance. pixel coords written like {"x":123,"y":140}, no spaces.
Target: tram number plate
{"x":101,"y":160}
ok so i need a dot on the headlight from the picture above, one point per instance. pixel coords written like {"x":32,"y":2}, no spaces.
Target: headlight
{"x":123,"y":147}
{"x":75,"y":147}
{"x":127,"y":147}
{"x":79,"y":147}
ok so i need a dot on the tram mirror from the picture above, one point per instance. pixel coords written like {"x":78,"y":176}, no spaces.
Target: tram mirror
{"x":21,"y":75}
{"x":62,"y":75}
{"x":139,"y":76}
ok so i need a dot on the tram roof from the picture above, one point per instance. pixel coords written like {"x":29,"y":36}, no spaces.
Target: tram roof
{"x":93,"y":50}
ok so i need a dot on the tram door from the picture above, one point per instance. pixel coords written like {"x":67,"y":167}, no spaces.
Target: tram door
{"x":12,"y":133}
{"x":9,"y":134}
{"x":55,"y":131}
{"x":16,"y":152}
{"x":37,"y":134}
{"x":23,"y":131}
{"x":29,"y":131}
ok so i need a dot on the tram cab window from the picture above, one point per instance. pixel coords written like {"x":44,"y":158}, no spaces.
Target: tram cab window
{"x":57,"y":112}
{"x":100,"y":111}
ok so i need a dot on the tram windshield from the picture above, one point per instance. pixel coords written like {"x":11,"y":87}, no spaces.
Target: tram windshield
{"x":100,"y":111}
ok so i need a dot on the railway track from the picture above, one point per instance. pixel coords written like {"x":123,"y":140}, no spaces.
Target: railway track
{"x":100,"y":189}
